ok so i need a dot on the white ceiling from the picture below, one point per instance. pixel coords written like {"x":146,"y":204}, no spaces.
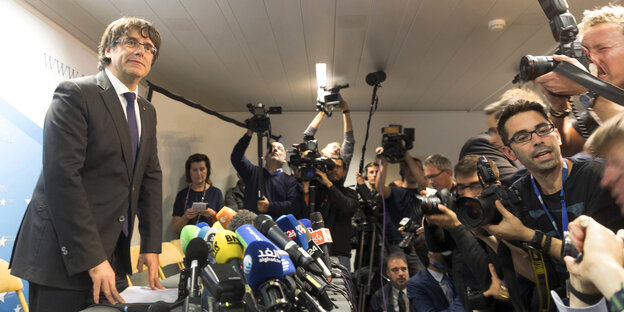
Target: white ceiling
{"x":437,"y":54}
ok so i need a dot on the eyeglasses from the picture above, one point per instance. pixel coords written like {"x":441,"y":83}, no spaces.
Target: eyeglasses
{"x":474,"y":187}
{"x":132,"y":43}
{"x":524,"y":136}
{"x":433,"y":176}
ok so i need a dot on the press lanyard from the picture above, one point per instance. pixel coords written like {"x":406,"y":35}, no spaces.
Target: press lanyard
{"x":188,"y":192}
{"x":564,"y":210}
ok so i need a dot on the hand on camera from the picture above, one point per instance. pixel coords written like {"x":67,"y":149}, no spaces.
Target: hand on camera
{"x":446,"y":219}
{"x":558,"y":83}
{"x":322,"y":177}
{"x":510,"y":227}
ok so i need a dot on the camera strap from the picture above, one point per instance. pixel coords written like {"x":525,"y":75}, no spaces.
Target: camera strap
{"x":564,"y":210}
{"x":541,"y":278}
{"x":601,"y":87}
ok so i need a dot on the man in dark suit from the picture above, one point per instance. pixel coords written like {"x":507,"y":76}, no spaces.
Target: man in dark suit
{"x":396,"y":297}
{"x":432,"y":289}
{"x":100,"y":170}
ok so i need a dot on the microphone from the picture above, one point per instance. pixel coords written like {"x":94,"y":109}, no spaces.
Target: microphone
{"x":290,"y":226}
{"x":201,"y":224}
{"x":187,"y":234}
{"x":307,"y":223}
{"x":317,"y":288}
{"x":226,"y":247}
{"x":203,"y":232}
{"x":317,"y":253}
{"x":263,"y":272}
{"x":299,"y":256}
{"x":248,"y":234}
{"x":196,"y":258}
{"x":321,"y":235}
{"x":225,"y":215}
{"x":375,"y":78}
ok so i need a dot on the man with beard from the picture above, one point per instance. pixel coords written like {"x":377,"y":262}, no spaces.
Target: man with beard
{"x":555,"y":190}
{"x":337,"y":204}
{"x":396,"y":296}
{"x":281,"y":194}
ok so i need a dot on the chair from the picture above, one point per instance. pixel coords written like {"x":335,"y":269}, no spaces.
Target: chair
{"x":176,"y":243}
{"x":169,"y":255}
{"x":9,"y":283}
{"x":134,"y":260}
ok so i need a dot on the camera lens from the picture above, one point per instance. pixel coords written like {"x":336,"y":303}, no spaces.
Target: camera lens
{"x":535,"y":66}
{"x":476,"y":212}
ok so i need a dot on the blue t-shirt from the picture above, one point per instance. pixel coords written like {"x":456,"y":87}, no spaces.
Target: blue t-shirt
{"x":213,"y":197}
{"x":399,"y":205}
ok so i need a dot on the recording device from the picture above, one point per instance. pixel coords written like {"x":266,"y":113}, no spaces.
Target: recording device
{"x":568,"y":248}
{"x":248,"y":234}
{"x":195,"y":260}
{"x":260,"y":121}
{"x":306,"y":158}
{"x":373,"y":79}
{"x":299,"y":256}
{"x":424,"y":205}
{"x":395,"y":141}
{"x":564,"y":30}
{"x":263,"y":271}
{"x":475,"y":212}
{"x":331,"y":99}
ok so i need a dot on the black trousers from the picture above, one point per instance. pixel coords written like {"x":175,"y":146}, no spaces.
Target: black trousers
{"x":52,"y":299}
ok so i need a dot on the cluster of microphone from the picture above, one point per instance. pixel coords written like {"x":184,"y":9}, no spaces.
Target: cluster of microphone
{"x":264,"y":265}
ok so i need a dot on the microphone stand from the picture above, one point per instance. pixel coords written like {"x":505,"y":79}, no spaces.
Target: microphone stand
{"x":373,"y":108}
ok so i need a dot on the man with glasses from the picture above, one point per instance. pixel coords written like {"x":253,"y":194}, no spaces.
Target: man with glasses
{"x":439,"y":172}
{"x":100,"y":170}
{"x":555,"y":190}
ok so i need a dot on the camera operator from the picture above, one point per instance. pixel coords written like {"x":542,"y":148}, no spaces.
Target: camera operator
{"x":337,"y":204}
{"x":367,"y":192}
{"x":439,"y":172}
{"x":400,"y":203}
{"x":478,"y":287}
{"x":281,"y":194}
{"x":345,"y":151}
{"x":601,"y":33}
{"x":554,"y":190}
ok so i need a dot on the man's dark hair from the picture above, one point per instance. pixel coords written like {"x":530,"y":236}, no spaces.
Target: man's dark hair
{"x":514,"y":109}
{"x":395,"y":255}
{"x":243,"y":217}
{"x":197,"y":158}
{"x":467,"y":166}
{"x":370,"y":164}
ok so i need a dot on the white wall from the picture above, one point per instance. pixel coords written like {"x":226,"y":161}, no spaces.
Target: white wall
{"x":183,"y":130}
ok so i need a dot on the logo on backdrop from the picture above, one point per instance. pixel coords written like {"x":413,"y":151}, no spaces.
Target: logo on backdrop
{"x":60,"y":68}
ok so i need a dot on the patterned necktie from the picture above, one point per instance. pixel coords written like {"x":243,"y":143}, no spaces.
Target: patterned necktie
{"x":134,"y":138}
{"x":402,"y":307}
{"x":449,"y":282}
{"x":132,"y":123}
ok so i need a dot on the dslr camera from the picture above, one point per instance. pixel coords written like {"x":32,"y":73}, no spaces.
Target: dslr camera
{"x":424,"y":205}
{"x":260,"y":121}
{"x":395,"y":141}
{"x":474,"y":212}
{"x":564,"y":30}
{"x":306,"y":159}
{"x":331,"y":100}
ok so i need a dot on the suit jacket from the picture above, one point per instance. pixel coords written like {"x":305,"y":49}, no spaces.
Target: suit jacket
{"x":75,"y":217}
{"x":425,"y":294}
{"x":376,"y":301}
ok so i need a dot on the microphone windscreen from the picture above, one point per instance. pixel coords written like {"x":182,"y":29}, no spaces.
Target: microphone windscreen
{"x":293,"y":229}
{"x":307,"y":223}
{"x":218,"y":226}
{"x":225,"y":215}
{"x":248,"y":234}
{"x":187,"y":234}
{"x":375,"y":78}
{"x":317,"y":220}
{"x":261,"y":263}
{"x":201,"y":224}
{"x":196,"y":250}
{"x":242,"y":217}
{"x":226,"y":246}
{"x":203,"y":232}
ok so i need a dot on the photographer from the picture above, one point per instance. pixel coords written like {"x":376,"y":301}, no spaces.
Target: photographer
{"x":602,"y":36}
{"x":478,"y":286}
{"x":345,"y":151}
{"x":554,"y":190}
{"x":439,"y":172}
{"x":367,"y":192}
{"x":337,"y":204}
{"x":281,"y":194}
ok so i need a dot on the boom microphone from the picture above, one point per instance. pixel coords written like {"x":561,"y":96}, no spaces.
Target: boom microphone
{"x":299,"y":256}
{"x":375,"y":78}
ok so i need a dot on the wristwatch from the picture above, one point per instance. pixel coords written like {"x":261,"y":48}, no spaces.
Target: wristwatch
{"x":536,"y":241}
